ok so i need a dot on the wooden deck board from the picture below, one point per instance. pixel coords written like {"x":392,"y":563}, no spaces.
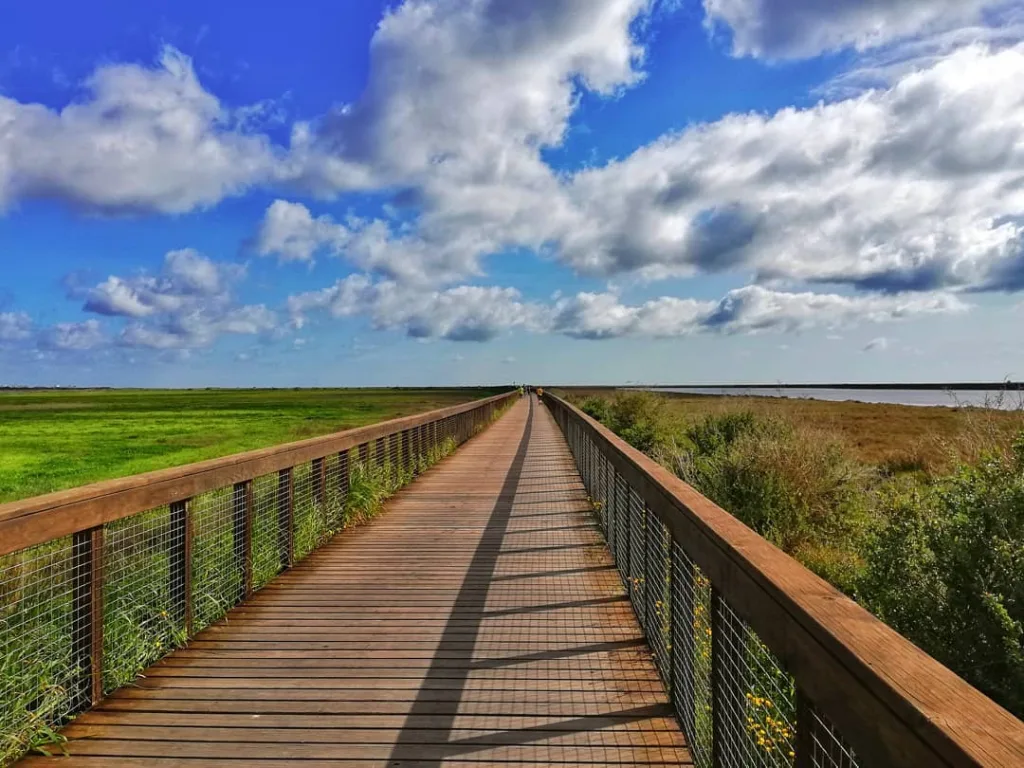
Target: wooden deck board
{"x":478,"y":622}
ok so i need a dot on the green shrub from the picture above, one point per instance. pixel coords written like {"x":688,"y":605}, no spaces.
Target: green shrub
{"x":939,"y":559}
{"x":596,"y":408}
{"x":714,"y":433}
{"x":795,"y":486}
{"x":641,"y":419}
{"x":947,"y":571}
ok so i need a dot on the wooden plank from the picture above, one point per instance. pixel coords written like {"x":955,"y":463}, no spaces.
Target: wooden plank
{"x":894,"y":703}
{"x":445,"y":630}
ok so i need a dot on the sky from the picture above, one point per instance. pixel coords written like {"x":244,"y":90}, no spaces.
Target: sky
{"x":436,"y":192}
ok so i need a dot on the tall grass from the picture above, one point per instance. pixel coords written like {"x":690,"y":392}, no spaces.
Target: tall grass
{"x":935,"y":548}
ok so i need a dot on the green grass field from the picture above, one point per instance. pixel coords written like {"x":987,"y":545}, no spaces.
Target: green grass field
{"x":53,"y":439}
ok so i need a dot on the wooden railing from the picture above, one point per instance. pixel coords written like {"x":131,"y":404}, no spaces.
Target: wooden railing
{"x":765,"y":663}
{"x":98,"y":582}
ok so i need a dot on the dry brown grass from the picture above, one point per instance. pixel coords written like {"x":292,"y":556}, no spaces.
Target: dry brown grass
{"x":899,"y":437}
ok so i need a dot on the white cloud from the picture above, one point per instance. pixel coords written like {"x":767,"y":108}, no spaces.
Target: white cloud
{"x":752,"y":309}
{"x":66,"y":337}
{"x":143,"y":139}
{"x":199,"y":327}
{"x":290,"y":232}
{"x":475,"y":88}
{"x":461,"y":100}
{"x":188,"y":305}
{"x":913,"y":188}
{"x":15,"y":326}
{"x":801,"y":28}
{"x":601,"y":316}
{"x":463,"y":313}
{"x":188,"y":280}
{"x":918,"y":186}
{"x":474,"y":313}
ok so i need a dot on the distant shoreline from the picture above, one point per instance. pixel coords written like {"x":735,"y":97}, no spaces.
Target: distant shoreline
{"x":1011,"y":386}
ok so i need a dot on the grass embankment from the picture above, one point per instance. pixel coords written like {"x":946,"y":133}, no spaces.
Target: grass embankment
{"x":917,"y":513}
{"x":55,"y":439}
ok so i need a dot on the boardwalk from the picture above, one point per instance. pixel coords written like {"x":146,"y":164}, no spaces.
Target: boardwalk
{"x":478,"y":622}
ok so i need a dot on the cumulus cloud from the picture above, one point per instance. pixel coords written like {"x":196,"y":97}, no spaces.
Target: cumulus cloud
{"x":917,"y":187}
{"x":463,"y":313}
{"x":187,"y":279}
{"x":77,"y":337}
{"x":199,"y":327}
{"x":188,"y":305}
{"x":602,"y":316}
{"x":142,"y":139}
{"x":15,"y":326}
{"x":800,"y":28}
{"x":475,"y":313}
{"x":290,"y":232}
{"x":914,"y":187}
{"x":461,"y":100}
{"x":752,"y":309}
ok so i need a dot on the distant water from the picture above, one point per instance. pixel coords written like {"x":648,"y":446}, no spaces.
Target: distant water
{"x":993,"y":398}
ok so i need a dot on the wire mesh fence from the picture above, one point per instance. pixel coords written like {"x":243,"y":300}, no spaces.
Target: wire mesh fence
{"x":84,"y":614}
{"x":736,"y":703}
{"x":140,"y":583}
{"x":40,"y":676}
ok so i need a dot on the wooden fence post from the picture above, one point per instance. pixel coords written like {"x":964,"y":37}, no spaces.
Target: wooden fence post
{"x":804,"y":747}
{"x":181,"y":564}
{"x":319,"y":481}
{"x":285,"y":517}
{"x":242,"y":507}
{"x":343,"y":477}
{"x":87,"y":608}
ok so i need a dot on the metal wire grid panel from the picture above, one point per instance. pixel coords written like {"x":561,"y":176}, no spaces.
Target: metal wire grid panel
{"x":658,"y":585}
{"x":637,"y":532}
{"x":821,"y":740}
{"x":217,"y":581}
{"x":736,"y":704}
{"x":755,"y":721}
{"x":309,"y":514}
{"x":691,"y":654}
{"x":620,"y":496}
{"x":143,"y":578}
{"x":269,"y":527}
{"x":40,"y":671}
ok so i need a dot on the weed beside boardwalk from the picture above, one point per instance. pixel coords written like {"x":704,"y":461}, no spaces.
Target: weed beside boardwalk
{"x":933,"y":546}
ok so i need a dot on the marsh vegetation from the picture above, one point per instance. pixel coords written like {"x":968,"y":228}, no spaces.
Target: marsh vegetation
{"x":917,"y":513}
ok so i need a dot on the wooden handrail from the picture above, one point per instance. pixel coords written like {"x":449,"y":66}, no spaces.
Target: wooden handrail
{"x":36,"y":520}
{"x":891,"y":701}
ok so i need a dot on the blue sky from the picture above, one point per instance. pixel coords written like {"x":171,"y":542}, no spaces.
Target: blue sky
{"x":473,"y":191}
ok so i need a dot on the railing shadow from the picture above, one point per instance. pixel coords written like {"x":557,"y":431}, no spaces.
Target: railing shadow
{"x":458,"y":639}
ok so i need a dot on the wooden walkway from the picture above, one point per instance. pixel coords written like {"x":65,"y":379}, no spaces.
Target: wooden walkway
{"x":478,"y":622}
